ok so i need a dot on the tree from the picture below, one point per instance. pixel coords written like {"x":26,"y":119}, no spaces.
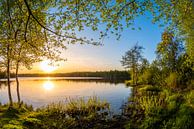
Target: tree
{"x":185,"y":71}
{"x":144,"y":65}
{"x":77,"y":14}
{"x":176,"y":64}
{"x":65,"y":18}
{"x":23,"y":42}
{"x":131,"y":60}
{"x":169,"y":50}
{"x":179,"y":14}
{"x":6,"y":45}
{"x":144,"y":72}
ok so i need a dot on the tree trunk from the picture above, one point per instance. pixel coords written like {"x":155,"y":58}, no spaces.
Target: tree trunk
{"x":136,"y":75}
{"x":133,"y":74}
{"x":18,"y":84}
{"x":8,"y":76}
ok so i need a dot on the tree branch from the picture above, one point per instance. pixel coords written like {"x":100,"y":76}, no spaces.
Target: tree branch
{"x":127,"y":4}
{"x":65,"y":36}
{"x":10,"y":19}
{"x":26,"y":27}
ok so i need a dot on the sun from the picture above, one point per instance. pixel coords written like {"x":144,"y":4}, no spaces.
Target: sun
{"x":46,"y":67}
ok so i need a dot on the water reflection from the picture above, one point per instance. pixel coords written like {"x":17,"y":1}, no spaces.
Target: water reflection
{"x":42,"y":91}
{"x":48,"y":85}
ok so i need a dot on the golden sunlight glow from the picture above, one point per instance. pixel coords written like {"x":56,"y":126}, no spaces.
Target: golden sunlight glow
{"x":46,"y":67}
{"x":48,"y":85}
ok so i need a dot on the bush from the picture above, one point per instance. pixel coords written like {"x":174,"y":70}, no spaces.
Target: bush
{"x":165,"y":110}
{"x":172,"y":80}
{"x":146,"y":77}
{"x":185,"y":118}
{"x":129,"y":82}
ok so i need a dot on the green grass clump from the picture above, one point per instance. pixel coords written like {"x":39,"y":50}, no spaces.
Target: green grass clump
{"x":75,"y":114}
{"x":10,"y":115}
{"x":11,"y":126}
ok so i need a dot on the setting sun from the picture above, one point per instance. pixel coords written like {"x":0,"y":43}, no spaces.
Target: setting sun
{"x":46,"y":67}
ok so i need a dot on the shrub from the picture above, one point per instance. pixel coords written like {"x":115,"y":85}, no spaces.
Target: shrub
{"x":146,"y":77}
{"x":129,"y":82}
{"x":172,"y":80}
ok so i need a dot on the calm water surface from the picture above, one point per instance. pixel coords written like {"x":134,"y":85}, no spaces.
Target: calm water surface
{"x":42,"y":91}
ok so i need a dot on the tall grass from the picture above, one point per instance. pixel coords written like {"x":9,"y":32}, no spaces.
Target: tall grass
{"x":78,"y":107}
{"x":165,"y":110}
{"x":76,"y":113}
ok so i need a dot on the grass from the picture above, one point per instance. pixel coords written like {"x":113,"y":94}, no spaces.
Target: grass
{"x":165,"y":110}
{"x":76,"y":114}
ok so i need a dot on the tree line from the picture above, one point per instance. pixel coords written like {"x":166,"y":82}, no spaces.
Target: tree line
{"x":113,"y":74}
{"x":109,"y":75}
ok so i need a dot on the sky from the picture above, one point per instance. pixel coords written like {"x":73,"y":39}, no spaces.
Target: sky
{"x":107,"y":57}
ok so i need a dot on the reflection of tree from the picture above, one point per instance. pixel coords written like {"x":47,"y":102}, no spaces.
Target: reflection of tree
{"x":82,"y":79}
{"x":2,"y":84}
{"x":93,"y":80}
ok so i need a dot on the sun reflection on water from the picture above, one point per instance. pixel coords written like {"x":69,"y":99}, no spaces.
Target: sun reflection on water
{"x":48,"y":85}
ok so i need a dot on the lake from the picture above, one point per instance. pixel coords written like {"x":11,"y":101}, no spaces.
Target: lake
{"x":40,"y":91}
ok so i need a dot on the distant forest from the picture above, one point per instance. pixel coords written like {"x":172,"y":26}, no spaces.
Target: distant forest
{"x":110,"y":75}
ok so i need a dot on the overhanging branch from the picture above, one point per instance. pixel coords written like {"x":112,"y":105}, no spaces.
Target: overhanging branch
{"x":44,"y":27}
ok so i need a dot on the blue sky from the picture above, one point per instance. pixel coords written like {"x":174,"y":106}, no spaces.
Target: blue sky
{"x":107,"y":57}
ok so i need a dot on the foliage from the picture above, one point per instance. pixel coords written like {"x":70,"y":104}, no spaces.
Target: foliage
{"x":131,"y":60}
{"x":149,"y":88}
{"x":164,"y":98}
{"x":171,"y":68}
{"x":185,"y":71}
{"x":163,"y":110}
{"x":169,"y":50}
{"x":10,"y":126}
{"x":172,"y":80}
{"x":146,"y":77}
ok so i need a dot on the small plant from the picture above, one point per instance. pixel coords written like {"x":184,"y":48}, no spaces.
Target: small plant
{"x":11,"y":126}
